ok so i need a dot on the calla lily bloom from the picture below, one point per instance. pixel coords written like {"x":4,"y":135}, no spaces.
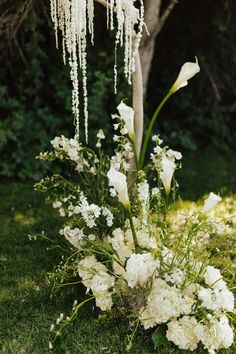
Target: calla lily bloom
{"x":168,"y":169}
{"x":119,"y":182}
{"x":187,"y":71}
{"x":127,"y":114}
{"x":211,"y":202}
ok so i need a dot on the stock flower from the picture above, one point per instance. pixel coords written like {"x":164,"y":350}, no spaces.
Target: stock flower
{"x":168,"y":168}
{"x":211,"y":202}
{"x":118,"y":181}
{"x":187,"y":71}
{"x":127,"y":113}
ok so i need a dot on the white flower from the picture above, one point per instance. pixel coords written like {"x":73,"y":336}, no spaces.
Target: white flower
{"x":216,"y":299}
{"x":74,"y":236}
{"x":118,"y":181}
{"x":140,"y":268}
{"x":164,"y":303}
{"x":213,"y":278}
{"x":100,"y":134}
{"x":211,"y":202}
{"x":181,"y":333}
{"x":174,"y":155}
{"x":215,"y":335}
{"x":57,"y":204}
{"x":187,"y":71}
{"x":168,"y":168}
{"x":176,"y":277}
{"x":127,"y":113}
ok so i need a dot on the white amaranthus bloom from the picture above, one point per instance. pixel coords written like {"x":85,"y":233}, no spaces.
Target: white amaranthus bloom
{"x":119,"y":182}
{"x":168,"y":169}
{"x":127,"y":114}
{"x":140,"y":268}
{"x":187,"y":71}
{"x":211,"y":202}
{"x":181,"y":332}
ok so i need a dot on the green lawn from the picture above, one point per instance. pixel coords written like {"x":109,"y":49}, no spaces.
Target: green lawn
{"x":26,"y":308}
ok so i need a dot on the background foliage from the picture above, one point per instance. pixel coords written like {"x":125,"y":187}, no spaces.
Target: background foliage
{"x":35,"y":89}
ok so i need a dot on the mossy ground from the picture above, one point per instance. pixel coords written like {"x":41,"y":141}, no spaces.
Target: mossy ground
{"x":26,"y":308}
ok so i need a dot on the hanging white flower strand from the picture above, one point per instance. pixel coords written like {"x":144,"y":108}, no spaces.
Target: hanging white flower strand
{"x":74,"y":18}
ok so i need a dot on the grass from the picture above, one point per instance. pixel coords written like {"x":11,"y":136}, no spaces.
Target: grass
{"x":26,"y":308}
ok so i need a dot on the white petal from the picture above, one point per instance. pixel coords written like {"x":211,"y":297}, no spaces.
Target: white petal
{"x":187,"y":71}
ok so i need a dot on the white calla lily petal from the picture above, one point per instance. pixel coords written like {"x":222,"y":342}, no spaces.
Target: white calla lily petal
{"x":187,"y":71}
{"x":166,"y":175}
{"x":211,"y":202}
{"x":119,"y":182}
{"x":127,"y":114}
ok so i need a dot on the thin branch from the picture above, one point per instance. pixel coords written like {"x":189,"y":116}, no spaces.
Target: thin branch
{"x":161,"y":22}
{"x":102,"y":2}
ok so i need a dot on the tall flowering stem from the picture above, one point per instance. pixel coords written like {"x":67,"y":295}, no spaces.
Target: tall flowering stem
{"x":136,"y":245}
{"x":150,"y":127}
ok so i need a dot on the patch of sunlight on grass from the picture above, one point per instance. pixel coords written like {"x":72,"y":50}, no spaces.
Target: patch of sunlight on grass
{"x":23,"y":285}
{"x":24,"y":219}
{"x":5,"y":294}
{"x":27,"y":283}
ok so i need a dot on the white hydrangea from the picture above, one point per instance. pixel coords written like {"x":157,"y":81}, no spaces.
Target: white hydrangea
{"x":87,"y":268}
{"x":74,"y":236}
{"x":213,"y":278}
{"x":164,"y":303}
{"x":176,"y":277}
{"x":140,"y":268}
{"x":216,"y":299}
{"x":217,"y":334}
{"x":100,"y":285}
{"x":145,"y":240}
{"x":182,"y":332}
{"x":95,"y":277}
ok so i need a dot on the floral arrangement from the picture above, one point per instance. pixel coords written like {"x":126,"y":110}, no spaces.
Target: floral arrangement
{"x":131,"y":246}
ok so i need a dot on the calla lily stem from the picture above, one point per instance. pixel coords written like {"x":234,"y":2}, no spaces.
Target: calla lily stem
{"x":149,"y":131}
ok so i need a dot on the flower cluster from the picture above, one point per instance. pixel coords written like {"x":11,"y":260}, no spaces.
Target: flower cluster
{"x":125,"y":246}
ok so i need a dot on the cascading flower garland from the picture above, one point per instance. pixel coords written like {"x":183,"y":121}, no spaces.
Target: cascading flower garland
{"x":74,"y":18}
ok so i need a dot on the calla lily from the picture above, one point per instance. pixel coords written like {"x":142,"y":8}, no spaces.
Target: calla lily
{"x":211,"y":202}
{"x":127,"y":113}
{"x":168,"y":169}
{"x":119,"y":182}
{"x":187,"y":71}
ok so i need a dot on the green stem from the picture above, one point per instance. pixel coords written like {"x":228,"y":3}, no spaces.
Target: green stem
{"x":134,"y":147}
{"x":149,"y":131}
{"x":136,"y":245}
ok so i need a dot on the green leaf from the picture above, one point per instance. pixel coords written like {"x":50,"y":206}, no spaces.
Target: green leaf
{"x":159,"y":337}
